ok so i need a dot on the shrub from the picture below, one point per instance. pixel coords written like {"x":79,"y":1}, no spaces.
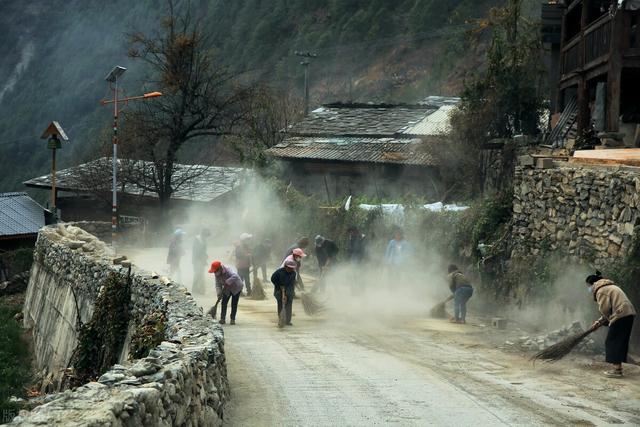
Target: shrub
{"x":14,"y":360}
{"x":100,"y":341}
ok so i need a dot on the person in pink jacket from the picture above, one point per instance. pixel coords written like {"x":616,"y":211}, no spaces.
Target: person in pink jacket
{"x":296,"y":256}
{"x":228,"y":286}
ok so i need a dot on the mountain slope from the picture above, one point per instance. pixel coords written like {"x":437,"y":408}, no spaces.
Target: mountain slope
{"x":56,"y":54}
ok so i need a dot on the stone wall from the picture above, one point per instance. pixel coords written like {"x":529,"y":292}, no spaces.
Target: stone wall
{"x":588,"y":212}
{"x":182,"y":382}
{"x":99,"y":229}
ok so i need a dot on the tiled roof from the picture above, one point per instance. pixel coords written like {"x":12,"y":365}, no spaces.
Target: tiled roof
{"x":209,"y":182}
{"x":354,"y":149}
{"x":361,"y":120}
{"x":434,"y":124}
{"x":439,"y":101}
{"x":20,"y":214}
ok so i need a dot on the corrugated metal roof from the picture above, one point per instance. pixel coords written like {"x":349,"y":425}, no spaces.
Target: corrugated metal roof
{"x":207,"y":184}
{"x":20,"y":214}
{"x":410,"y":151}
{"x":434,"y":124}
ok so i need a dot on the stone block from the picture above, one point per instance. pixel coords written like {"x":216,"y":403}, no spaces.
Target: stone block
{"x":525,"y":160}
{"x":499,"y":322}
{"x":629,"y":228}
{"x":544,"y":163}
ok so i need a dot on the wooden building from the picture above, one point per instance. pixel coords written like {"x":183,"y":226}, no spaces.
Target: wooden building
{"x":360,"y":149}
{"x":598,"y":78}
{"x":84,"y":191}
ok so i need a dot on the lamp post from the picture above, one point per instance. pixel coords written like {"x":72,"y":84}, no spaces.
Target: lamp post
{"x":55,"y":135}
{"x":305,"y":63}
{"x":112,"y":78}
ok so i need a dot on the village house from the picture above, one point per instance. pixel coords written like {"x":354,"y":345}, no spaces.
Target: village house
{"x":362,"y":149}
{"x":20,"y":219}
{"x":595,"y":49}
{"x":84,"y":191}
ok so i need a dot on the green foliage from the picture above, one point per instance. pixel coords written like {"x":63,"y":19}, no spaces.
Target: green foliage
{"x":626,"y":273}
{"x":100,"y":341}
{"x":17,"y":261}
{"x":504,"y":99}
{"x":15,"y":360}
{"x":149,"y":334}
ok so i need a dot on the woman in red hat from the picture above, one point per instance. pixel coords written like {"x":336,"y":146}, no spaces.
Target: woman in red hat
{"x":228,"y":286}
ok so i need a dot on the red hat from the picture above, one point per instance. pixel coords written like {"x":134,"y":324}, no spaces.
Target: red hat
{"x":215,"y":266}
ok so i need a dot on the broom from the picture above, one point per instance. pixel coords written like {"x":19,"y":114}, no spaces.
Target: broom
{"x":282,"y":316}
{"x":310,"y":304}
{"x":213,"y":311}
{"x":257,"y":290}
{"x":564,"y":347}
{"x":438,"y":311}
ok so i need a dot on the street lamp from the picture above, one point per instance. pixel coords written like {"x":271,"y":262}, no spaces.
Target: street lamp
{"x":112,"y":78}
{"x":305,"y":63}
{"x":54,"y":134}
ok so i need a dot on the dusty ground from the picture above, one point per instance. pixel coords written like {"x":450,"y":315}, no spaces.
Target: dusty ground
{"x":337,"y":370}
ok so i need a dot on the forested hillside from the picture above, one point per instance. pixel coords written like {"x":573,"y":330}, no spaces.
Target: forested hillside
{"x":55,"y":55}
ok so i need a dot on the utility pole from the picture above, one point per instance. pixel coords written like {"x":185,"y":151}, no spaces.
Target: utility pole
{"x":305,"y":63}
{"x":112,"y":78}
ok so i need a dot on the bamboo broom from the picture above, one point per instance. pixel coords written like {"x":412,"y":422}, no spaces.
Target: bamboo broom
{"x":257,"y":290}
{"x":438,"y":311}
{"x":282,"y":316}
{"x":564,"y":347}
{"x":213,"y":311}
{"x":310,"y":304}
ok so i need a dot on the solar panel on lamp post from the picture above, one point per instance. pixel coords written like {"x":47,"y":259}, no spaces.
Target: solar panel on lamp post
{"x":112,"y":78}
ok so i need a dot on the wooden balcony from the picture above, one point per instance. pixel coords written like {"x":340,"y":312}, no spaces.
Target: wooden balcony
{"x":588,"y":49}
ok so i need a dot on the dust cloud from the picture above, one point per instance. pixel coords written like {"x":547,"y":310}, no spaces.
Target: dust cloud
{"x":362,"y":293}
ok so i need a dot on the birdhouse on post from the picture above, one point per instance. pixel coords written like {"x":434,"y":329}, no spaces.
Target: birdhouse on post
{"x":54,"y":134}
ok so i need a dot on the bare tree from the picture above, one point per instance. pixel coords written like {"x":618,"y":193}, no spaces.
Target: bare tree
{"x":270,"y":114}
{"x":201,"y":100}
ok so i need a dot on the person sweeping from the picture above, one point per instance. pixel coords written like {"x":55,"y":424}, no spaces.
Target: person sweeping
{"x":462,"y":292}
{"x":296,"y":256}
{"x":284,"y":280}
{"x":618,"y":313}
{"x":228,"y":287}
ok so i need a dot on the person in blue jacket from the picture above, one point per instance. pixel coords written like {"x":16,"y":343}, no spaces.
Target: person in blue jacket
{"x":399,"y":250}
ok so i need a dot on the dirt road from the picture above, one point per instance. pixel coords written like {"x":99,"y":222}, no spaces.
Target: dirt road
{"x":341,"y":370}
{"x":427,"y":372}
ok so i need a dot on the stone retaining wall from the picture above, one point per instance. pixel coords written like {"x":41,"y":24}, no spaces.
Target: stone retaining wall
{"x":182,"y":382}
{"x":588,"y":212}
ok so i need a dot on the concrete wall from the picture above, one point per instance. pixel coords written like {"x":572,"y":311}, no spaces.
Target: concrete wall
{"x":588,"y":212}
{"x":182,"y":382}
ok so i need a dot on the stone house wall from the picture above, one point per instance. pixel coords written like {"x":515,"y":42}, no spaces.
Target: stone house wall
{"x":587,"y":212}
{"x":182,"y":382}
